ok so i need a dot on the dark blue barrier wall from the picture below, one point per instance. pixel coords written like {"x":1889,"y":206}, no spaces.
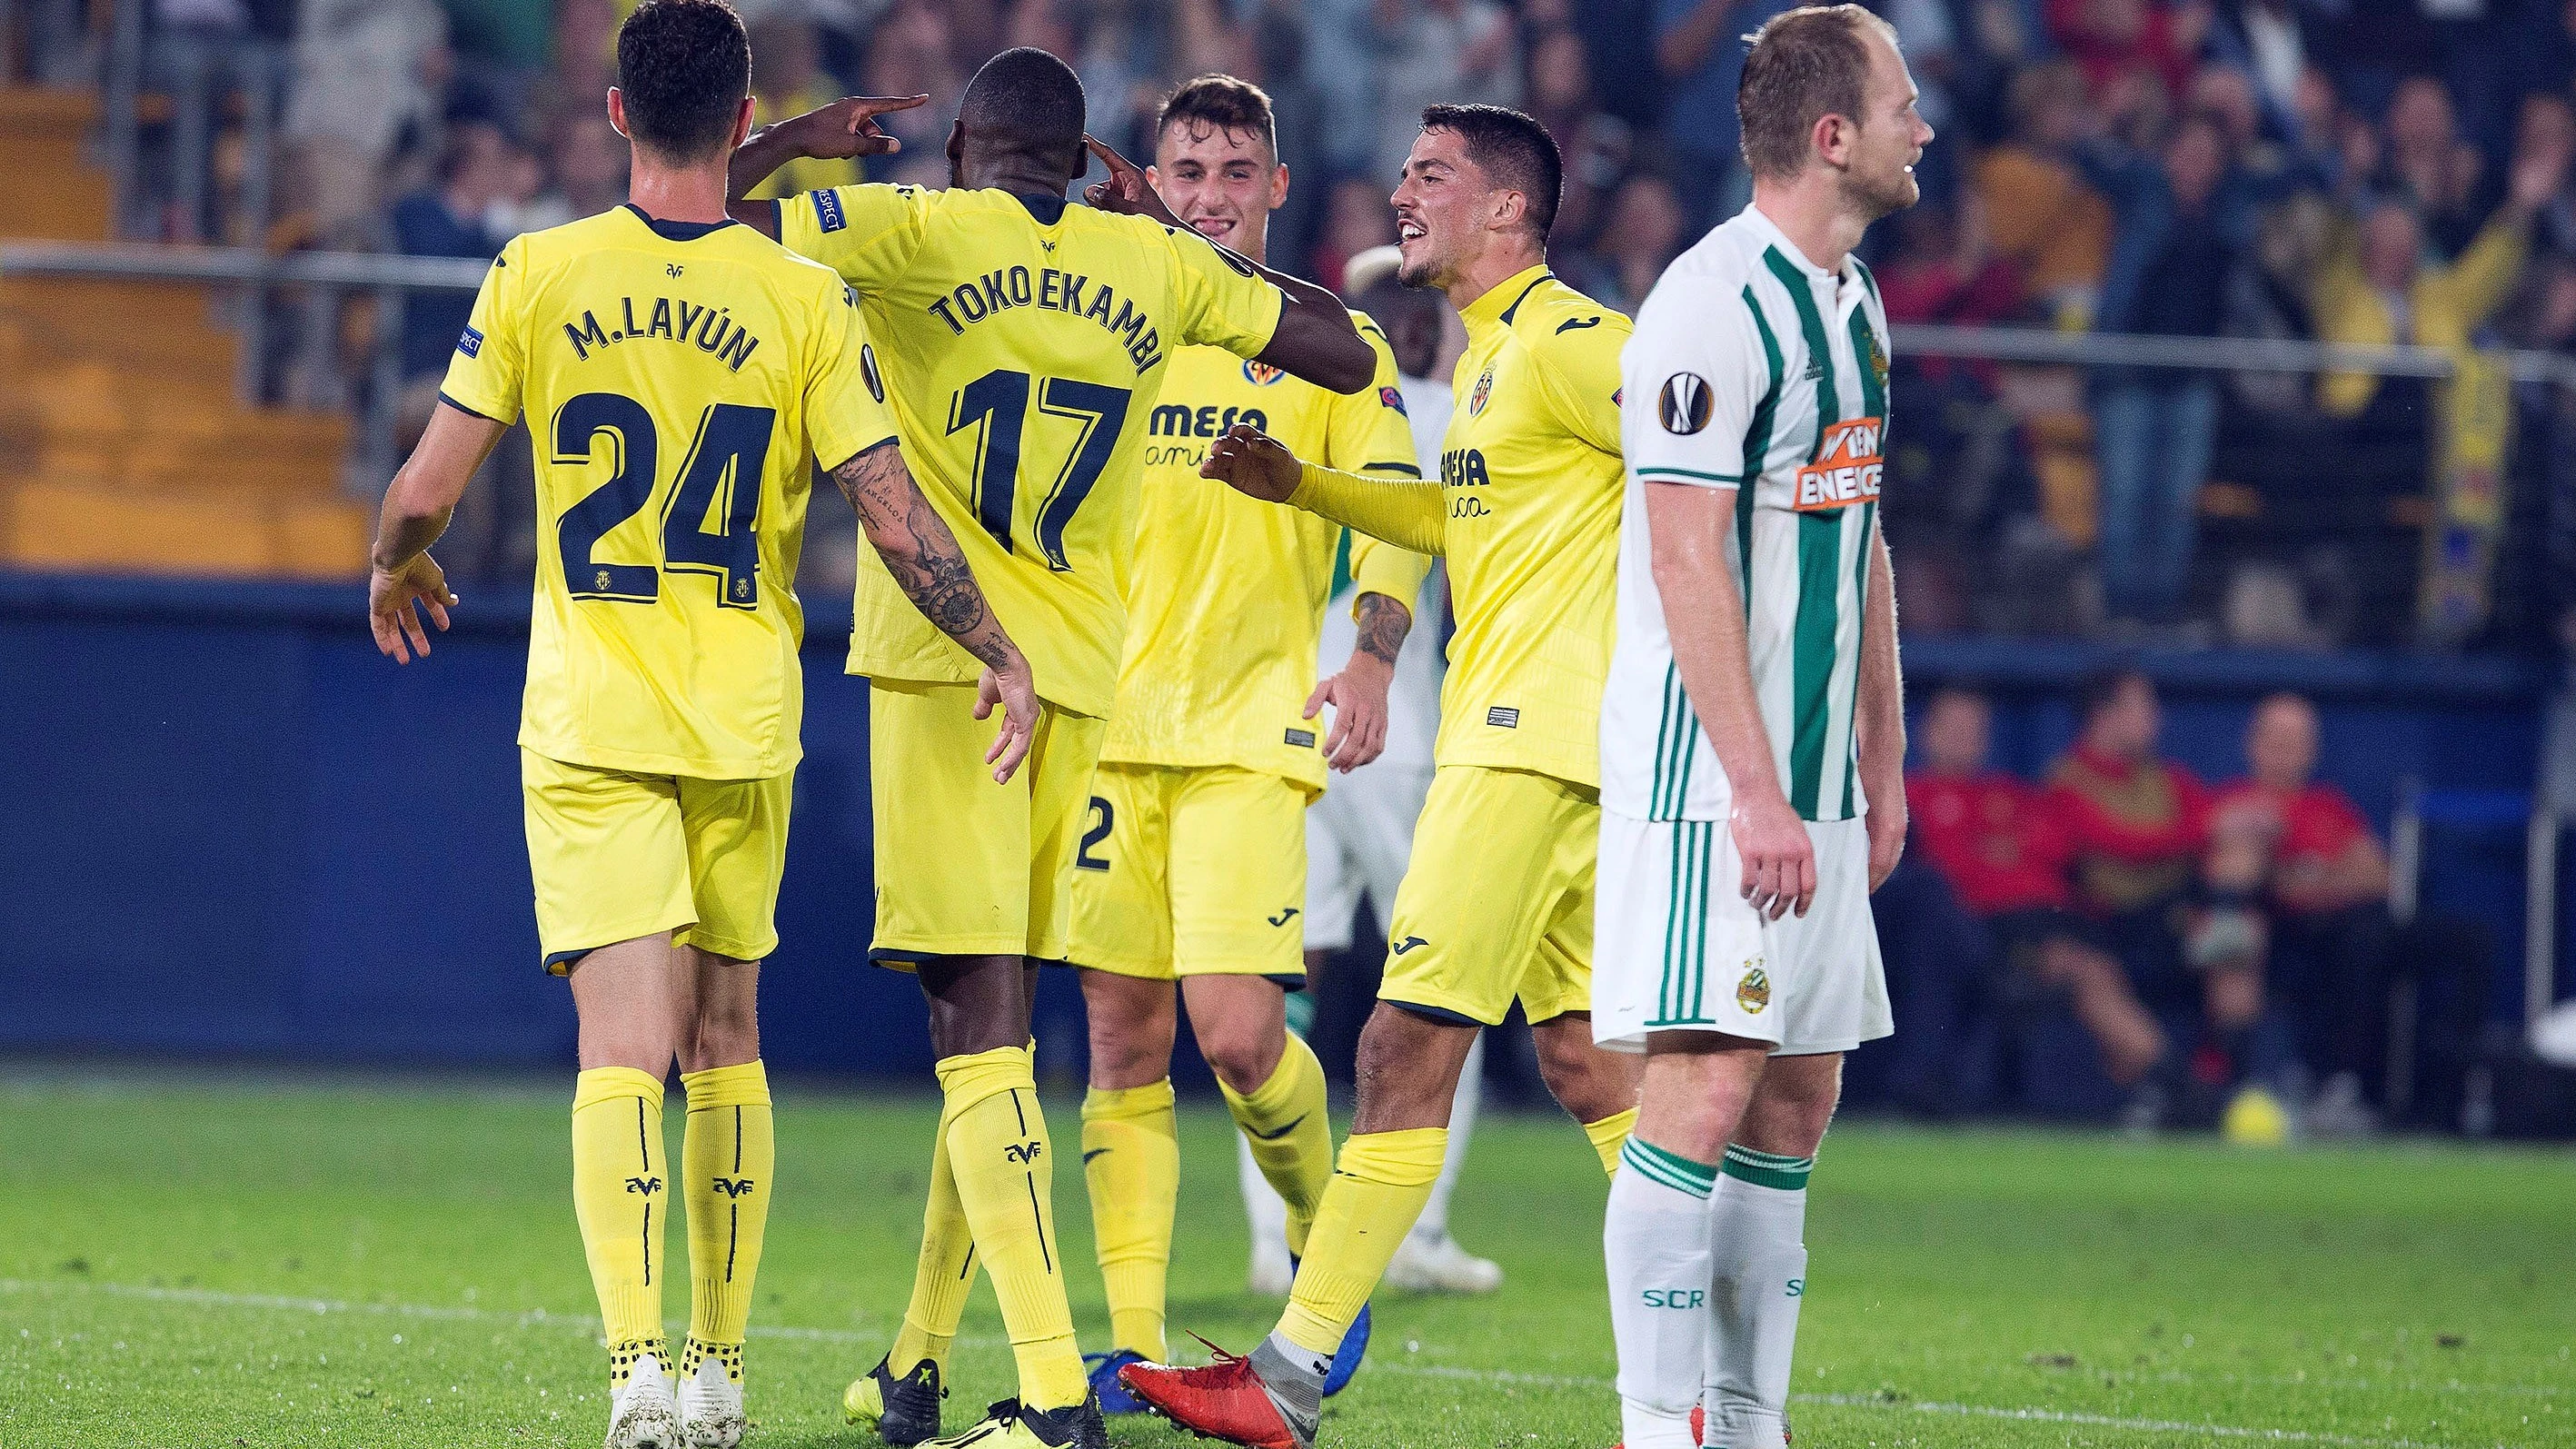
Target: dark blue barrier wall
{"x":236,"y":828}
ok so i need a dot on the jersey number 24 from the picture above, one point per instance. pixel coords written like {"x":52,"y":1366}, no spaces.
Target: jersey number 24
{"x":724,"y":459}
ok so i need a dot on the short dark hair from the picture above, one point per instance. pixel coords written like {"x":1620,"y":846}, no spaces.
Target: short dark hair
{"x":1511,"y":147}
{"x":1805,"y":65}
{"x":684,"y":66}
{"x":1027,"y":102}
{"x":2102,"y":687}
{"x":1229,"y":103}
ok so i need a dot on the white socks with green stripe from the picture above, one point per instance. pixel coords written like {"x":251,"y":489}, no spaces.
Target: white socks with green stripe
{"x":1758,"y":1221}
{"x":1655,"y":1237}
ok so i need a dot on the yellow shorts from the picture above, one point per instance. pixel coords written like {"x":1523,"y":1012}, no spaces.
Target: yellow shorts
{"x":1497,"y":902}
{"x":617,"y":856}
{"x":1192,"y":872}
{"x":966,"y":867}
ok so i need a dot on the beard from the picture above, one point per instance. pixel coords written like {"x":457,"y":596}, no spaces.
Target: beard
{"x":1874,"y":199}
{"x":1424,"y":272}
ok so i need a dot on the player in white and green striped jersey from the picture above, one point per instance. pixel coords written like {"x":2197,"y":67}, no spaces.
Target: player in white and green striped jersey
{"x":1752,"y":732}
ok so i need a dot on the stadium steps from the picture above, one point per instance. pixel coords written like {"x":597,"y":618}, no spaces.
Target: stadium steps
{"x":123,"y":447}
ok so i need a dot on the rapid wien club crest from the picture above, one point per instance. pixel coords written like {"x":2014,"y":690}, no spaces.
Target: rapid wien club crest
{"x":1484,"y":390}
{"x":1878,"y":358}
{"x":1753,"y":993}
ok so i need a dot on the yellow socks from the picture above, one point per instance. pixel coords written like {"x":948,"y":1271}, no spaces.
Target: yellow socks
{"x":1291,"y":1136}
{"x":1004,"y":1170}
{"x":1609,"y":1135}
{"x":620,"y":1182}
{"x":1131,"y":1161}
{"x":726,"y":1157}
{"x":944,"y":1272}
{"x":1371,"y":1203}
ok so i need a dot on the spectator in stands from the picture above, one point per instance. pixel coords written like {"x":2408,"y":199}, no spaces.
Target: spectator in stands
{"x":2377,"y":289}
{"x":2430,"y":168}
{"x":2113,"y":38}
{"x":1699,"y":49}
{"x":1356,"y":218}
{"x":2044,"y":221}
{"x":2137,"y":830}
{"x":2005,"y":853}
{"x":364,"y":73}
{"x":2325,"y":883}
{"x":2180,"y":238}
{"x":479,"y":171}
{"x":1639,"y":238}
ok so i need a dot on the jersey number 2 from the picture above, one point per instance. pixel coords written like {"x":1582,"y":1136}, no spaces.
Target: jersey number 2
{"x":723,"y":467}
{"x":996,"y":405}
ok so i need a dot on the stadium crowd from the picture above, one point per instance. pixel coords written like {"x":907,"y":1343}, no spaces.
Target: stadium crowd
{"x":2361,"y":171}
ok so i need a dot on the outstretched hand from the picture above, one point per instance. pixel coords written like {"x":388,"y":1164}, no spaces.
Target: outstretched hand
{"x":1253,"y":463}
{"x":1126,"y":192}
{"x":848,"y":127}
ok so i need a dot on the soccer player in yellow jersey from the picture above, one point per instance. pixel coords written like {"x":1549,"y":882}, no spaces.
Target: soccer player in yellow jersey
{"x":1498,"y":899}
{"x":1194,"y":865}
{"x":682,"y":376}
{"x":1026,"y":342}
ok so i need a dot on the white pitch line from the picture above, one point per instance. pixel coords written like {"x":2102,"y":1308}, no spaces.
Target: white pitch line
{"x":2107,"y":1421}
{"x":536,"y":1318}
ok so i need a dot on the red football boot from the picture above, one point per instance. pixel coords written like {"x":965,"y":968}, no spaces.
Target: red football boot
{"x":1226,"y":1400}
{"x":1699,"y":1426}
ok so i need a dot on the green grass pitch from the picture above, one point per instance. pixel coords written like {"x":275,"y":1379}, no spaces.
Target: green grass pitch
{"x":220,"y":1261}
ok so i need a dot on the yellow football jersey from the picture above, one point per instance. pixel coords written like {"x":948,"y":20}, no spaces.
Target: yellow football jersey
{"x":680,"y":382}
{"x":1026,"y":341}
{"x":1225,"y":603}
{"x":1532,"y":478}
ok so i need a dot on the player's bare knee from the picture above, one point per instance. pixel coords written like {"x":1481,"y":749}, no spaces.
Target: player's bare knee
{"x":1242,"y":1055}
{"x":977,"y":1003}
{"x":1584,"y":1079}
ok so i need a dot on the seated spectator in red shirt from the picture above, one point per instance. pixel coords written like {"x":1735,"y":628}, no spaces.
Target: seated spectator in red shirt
{"x":2138,"y":829}
{"x":2324,"y":880}
{"x":2006,"y":857}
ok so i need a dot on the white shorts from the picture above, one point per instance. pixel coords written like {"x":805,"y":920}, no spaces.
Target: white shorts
{"x":1676,"y":948}
{"x":1358,"y":838}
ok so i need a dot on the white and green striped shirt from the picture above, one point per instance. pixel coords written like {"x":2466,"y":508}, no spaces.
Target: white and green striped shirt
{"x":1752,"y":370}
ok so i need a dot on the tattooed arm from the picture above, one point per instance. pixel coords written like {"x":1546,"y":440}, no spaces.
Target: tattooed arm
{"x":1358,"y":693}
{"x":924,"y":558}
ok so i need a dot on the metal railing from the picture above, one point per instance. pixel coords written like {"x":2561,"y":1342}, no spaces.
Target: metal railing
{"x":327,"y":276}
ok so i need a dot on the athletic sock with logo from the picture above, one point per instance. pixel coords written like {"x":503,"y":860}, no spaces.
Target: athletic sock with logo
{"x":620,"y":1184}
{"x":1757,"y":1235}
{"x":1291,"y":1135}
{"x":1655,"y":1238}
{"x":1368,"y":1207}
{"x":1608,"y":1134}
{"x":1005,"y":1172}
{"x":942,"y":1274}
{"x":1433,"y":1225}
{"x":727,"y":1153}
{"x":1131,"y":1161}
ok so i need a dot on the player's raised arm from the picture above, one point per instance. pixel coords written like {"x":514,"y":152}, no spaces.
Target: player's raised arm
{"x":923,"y":556}
{"x":841,"y":131}
{"x":1316,"y":338}
{"x":1405,"y":512}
